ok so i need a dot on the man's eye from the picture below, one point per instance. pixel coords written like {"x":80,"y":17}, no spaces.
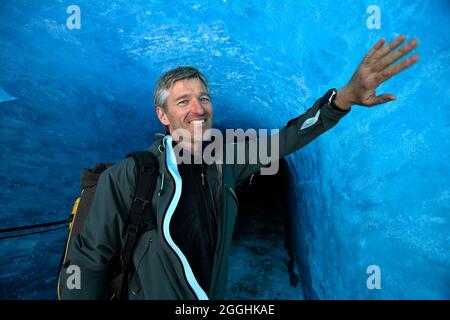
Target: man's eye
{"x":204,"y":99}
{"x":182,"y":102}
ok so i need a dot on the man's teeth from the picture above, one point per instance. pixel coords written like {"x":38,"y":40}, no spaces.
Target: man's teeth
{"x":197,"y":122}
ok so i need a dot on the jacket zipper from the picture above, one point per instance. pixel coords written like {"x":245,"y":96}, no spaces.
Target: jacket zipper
{"x":173,"y":172}
{"x":205,"y":183}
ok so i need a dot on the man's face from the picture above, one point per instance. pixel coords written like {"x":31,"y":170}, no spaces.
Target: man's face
{"x":188,"y":106}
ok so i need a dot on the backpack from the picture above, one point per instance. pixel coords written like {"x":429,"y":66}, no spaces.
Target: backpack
{"x":140,"y":218}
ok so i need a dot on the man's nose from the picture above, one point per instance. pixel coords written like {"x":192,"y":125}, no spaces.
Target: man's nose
{"x":197,"y":107}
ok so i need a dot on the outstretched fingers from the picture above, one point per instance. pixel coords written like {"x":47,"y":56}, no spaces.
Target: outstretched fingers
{"x":374,"y":49}
{"x":396,"y":55}
{"x":395,"y":69}
{"x":380,"y":53}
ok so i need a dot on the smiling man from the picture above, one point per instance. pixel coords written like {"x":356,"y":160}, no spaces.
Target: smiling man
{"x":185,"y":254}
{"x":183,"y":101}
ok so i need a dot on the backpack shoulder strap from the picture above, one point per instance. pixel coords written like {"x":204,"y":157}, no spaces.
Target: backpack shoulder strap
{"x":147,"y":170}
{"x":140,"y":214}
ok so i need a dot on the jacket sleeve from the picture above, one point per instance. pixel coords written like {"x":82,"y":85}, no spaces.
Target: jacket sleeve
{"x":295,"y":134}
{"x":102,"y":236}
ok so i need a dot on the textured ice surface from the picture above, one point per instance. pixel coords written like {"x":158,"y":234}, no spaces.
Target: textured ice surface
{"x":374,"y":191}
{"x":4,"y":96}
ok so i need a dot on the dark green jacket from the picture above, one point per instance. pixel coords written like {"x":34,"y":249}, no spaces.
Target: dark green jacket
{"x":162,"y":270}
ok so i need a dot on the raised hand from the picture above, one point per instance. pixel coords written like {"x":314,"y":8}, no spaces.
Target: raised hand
{"x":375,"y":68}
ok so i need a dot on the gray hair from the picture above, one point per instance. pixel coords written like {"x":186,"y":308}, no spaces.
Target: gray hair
{"x":167,"y":79}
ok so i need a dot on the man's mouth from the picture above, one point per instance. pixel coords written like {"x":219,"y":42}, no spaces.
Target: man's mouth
{"x":198,"y":122}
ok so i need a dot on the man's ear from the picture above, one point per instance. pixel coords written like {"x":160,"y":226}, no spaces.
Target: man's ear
{"x":162,"y":116}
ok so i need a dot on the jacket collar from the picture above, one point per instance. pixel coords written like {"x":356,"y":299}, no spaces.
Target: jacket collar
{"x":157,"y":147}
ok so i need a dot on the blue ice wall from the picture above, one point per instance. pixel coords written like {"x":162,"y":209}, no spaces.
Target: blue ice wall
{"x":373,"y":191}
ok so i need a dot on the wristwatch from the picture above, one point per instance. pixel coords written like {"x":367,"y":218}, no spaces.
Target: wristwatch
{"x":330,"y":96}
